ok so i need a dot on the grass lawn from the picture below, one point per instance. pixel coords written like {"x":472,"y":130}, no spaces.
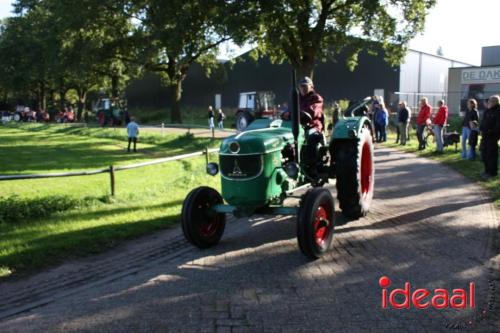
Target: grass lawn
{"x":470,"y":169}
{"x":45,"y":221}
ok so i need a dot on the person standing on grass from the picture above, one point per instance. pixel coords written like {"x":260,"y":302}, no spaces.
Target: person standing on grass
{"x":473,"y":139}
{"x":439,"y":122}
{"x":396,"y":124}
{"x":378,"y":120}
{"x":404,"y":116}
{"x":385,"y":126}
{"x":220,"y":118}
{"x":133,"y":132}
{"x":472,"y":114}
{"x":210,"y":117}
{"x":490,"y":132}
{"x":423,"y":119}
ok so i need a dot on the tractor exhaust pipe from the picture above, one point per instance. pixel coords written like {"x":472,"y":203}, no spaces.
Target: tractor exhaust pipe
{"x":295,"y":115}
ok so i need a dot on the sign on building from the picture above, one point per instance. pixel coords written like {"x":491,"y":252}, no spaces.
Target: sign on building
{"x":481,"y":75}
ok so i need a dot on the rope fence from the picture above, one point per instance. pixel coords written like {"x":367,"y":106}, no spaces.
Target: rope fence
{"x":111,"y":169}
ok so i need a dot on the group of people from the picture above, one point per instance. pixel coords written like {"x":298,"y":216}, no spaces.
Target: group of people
{"x":436,"y":125}
{"x":380,"y":118}
{"x":220,"y":118}
{"x":26,"y":114}
{"x":472,"y":128}
{"x":490,"y":134}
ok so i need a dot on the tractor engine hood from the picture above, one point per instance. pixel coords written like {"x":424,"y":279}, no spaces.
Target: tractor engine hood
{"x":257,"y":141}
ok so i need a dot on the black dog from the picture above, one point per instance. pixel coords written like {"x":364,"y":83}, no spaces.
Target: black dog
{"x":450,"y":139}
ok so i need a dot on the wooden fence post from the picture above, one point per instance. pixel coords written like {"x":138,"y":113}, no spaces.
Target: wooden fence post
{"x":112,"y":179}
{"x":162,"y":128}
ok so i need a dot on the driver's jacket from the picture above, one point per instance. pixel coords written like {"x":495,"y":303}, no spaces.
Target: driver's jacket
{"x":312,"y":103}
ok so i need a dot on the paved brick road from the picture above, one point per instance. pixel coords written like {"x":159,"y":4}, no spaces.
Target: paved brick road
{"x":429,"y":226}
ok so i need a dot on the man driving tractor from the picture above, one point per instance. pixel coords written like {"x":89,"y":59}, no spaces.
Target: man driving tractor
{"x":311,"y":103}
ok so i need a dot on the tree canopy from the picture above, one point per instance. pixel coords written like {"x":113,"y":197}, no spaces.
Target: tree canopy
{"x":52,"y":46}
{"x":305,"y":31}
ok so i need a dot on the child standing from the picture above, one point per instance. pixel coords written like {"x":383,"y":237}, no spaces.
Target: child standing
{"x":133,"y":132}
{"x":210,"y":117}
{"x":473,"y":138}
{"x":220,"y":118}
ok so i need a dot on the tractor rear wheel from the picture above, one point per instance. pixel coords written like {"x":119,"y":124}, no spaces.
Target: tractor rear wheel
{"x":202,"y":227}
{"x":355,"y":170}
{"x":243,"y":119}
{"x":315,"y":222}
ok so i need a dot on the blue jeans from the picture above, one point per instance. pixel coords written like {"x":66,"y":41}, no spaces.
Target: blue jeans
{"x":465,"y":137}
{"x":438,"y":134}
{"x":472,"y":153}
{"x":421,"y":137}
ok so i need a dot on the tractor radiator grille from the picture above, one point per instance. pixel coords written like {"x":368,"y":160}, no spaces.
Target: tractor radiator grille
{"x":241,"y":166}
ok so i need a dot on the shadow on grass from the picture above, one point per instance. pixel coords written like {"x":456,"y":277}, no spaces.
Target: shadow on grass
{"x":11,"y":232}
{"x":55,"y":248}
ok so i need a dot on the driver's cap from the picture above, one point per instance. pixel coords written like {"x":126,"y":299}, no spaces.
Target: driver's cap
{"x":306,"y":81}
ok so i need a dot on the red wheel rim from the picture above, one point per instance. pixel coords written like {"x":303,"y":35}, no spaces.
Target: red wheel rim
{"x":321,"y":223}
{"x":366,"y":169}
{"x":209,"y":228}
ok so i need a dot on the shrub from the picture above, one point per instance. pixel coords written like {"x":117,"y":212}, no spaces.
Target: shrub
{"x":14,"y":209}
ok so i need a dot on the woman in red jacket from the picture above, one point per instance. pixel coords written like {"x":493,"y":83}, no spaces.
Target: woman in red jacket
{"x":439,"y":122}
{"x":423,"y":119}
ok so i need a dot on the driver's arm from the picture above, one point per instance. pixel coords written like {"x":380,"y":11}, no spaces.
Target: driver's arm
{"x":315,"y":109}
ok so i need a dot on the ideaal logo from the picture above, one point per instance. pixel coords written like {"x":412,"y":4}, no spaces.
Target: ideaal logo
{"x":423,"y":298}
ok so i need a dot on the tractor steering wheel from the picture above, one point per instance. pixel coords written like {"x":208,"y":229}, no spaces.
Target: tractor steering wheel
{"x":305,"y":118}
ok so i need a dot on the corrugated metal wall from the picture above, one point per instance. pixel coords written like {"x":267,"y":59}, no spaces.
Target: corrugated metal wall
{"x":425,"y":75}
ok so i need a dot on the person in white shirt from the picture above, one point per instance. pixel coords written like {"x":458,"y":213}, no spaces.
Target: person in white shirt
{"x":133,"y":132}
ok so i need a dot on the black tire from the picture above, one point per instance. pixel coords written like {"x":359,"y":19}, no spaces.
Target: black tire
{"x":243,"y":119}
{"x":199,"y":227}
{"x":355,"y":180}
{"x":315,"y":223}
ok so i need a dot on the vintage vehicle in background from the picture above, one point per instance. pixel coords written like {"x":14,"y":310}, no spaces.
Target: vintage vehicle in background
{"x":254,"y":105}
{"x":265,"y":164}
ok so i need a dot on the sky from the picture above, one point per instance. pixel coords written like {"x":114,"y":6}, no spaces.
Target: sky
{"x":460,"y":27}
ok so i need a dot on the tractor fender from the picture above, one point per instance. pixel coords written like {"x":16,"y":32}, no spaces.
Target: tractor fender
{"x":350,"y":128}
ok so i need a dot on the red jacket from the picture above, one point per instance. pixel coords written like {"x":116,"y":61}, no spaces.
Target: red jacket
{"x":441,"y":116}
{"x":312,"y":103}
{"x":424,"y":115}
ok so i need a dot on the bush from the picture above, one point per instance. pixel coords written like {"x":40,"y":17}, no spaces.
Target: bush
{"x":14,"y":209}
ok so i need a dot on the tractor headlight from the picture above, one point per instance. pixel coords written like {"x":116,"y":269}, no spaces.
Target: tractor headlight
{"x":212,"y":169}
{"x":292,"y":170}
{"x":234,"y":147}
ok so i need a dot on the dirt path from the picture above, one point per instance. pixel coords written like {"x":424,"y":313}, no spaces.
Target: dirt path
{"x":197,"y":132}
{"x":429,"y":226}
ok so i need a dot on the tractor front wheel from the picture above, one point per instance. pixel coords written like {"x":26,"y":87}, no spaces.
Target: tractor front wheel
{"x":355,"y":171}
{"x":201,"y":226}
{"x":315,"y":222}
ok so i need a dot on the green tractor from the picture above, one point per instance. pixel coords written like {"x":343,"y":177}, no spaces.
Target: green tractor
{"x":265,"y":164}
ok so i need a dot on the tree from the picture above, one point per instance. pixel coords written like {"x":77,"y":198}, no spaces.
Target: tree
{"x":305,"y":31}
{"x":175,"y":34}
{"x":90,"y":41}
{"x":96,"y":37}
{"x":26,"y":49}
